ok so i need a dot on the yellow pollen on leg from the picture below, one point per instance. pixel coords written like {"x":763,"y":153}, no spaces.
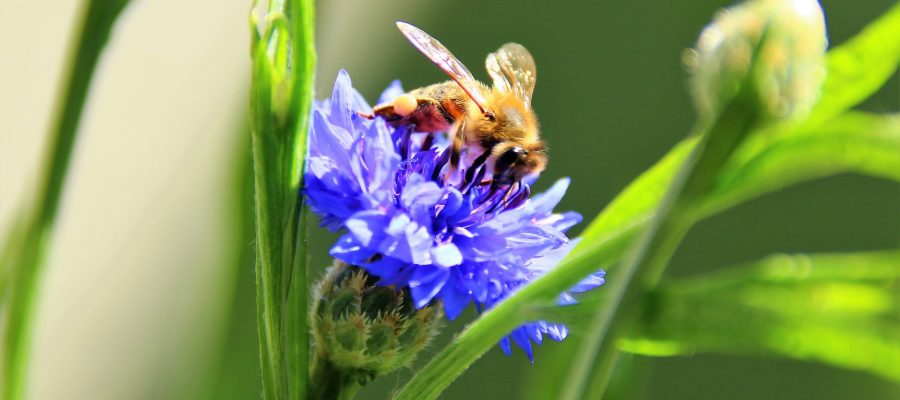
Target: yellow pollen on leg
{"x":405,"y":104}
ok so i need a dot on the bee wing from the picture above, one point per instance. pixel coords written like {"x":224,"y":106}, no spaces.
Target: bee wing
{"x":512,"y":69}
{"x":438,"y":54}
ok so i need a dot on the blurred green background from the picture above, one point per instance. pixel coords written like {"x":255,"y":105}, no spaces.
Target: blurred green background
{"x":148,"y":292}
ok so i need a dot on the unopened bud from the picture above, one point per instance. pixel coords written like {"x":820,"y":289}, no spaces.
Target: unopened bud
{"x":364,"y":330}
{"x":787,"y":38}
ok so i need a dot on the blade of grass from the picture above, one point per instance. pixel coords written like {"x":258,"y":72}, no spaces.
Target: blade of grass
{"x":25,"y":262}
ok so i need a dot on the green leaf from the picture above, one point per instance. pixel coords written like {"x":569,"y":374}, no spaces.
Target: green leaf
{"x":859,"y":67}
{"x":854,"y":142}
{"x":839,"y":309}
{"x":23,"y":256}
{"x":281,"y":95}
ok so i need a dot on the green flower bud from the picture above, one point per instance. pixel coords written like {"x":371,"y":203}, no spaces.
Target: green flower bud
{"x":362,"y":330}
{"x":789,"y":68}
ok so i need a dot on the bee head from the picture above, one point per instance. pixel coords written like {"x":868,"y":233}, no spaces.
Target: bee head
{"x":515,"y":161}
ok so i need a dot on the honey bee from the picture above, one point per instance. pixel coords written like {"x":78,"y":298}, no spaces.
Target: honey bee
{"x":498,"y":119}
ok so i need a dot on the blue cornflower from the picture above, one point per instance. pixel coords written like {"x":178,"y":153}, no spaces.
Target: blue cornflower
{"x":411,"y":221}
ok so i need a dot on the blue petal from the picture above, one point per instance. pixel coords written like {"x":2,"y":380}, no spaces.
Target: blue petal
{"x":533,"y":331}
{"x":446,"y":255}
{"x":420,"y":193}
{"x":548,"y":260}
{"x":331,"y":143}
{"x":557,"y":332}
{"x":455,"y":300}
{"x":347,"y":249}
{"x":543,"y":203}
{"x":425,"y":283}
{"x":521,"y":340}
{"x":565,"y":299}
{"x":341,"y":99}
{"x":564,"y":221}
{"x":453,"y":201}
{"x":389,"y":269}
{"x":391,"y":93}
{"x":593,"y":280}
{"x":504,"y":345}
{"x":367,"y":227}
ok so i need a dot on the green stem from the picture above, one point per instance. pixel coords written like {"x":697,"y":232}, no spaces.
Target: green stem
{"x":281,"y":95}
{"x":267,"y":301}
{"x":645,"y":266}
{"x":330,"y":383}
{"x":26,"y":261}
{"x":296,"y":323}
{"x":467,"y":347}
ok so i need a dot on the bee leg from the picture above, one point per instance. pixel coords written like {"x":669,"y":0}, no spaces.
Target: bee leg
{"x":458,"y":134}
{"x":366,"y":116}
{"x":473,"y":169}
{"x":509,"y":191}
{"x":494,"y":187}
{"x":387,"y":112}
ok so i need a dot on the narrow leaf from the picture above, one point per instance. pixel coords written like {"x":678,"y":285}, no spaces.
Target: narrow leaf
{"x":854,"y":142}
{"x":23,"y":257}
{"x":859,"y":67}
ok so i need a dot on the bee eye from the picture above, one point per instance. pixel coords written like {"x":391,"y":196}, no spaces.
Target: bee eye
{"x":490,"y":115}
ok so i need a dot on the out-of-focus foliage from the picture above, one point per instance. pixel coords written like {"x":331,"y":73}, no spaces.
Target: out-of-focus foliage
{"x":24,"y":254}
{"x":840,"y":309}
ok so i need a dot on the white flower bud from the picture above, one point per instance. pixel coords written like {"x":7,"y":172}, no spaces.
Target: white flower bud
{"x":790,"y":65}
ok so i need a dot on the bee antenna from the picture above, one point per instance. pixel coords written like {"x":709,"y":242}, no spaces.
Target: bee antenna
{"x":489,"y":115}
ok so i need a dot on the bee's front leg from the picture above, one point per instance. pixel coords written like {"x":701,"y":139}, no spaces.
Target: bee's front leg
{"x":458,"y":135}
{"x":398,"y":109}
{"x":385,"y":111}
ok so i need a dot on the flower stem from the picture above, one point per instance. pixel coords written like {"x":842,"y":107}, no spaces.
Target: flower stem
{"x":281,"y":94}
{"x":590,"y":374}
{"x":24,"y":255}
{"x":330,"y":383}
